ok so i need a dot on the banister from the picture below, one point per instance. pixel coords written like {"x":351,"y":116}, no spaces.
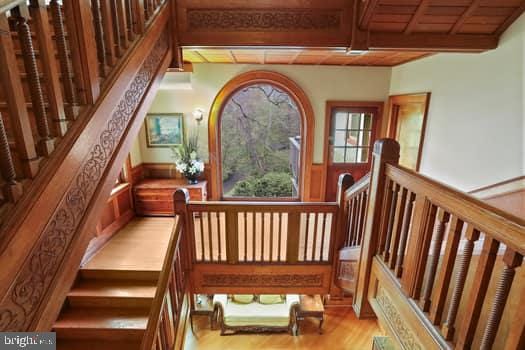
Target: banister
{"x":162,"y":284}
{"x":360,"y":185}
{"x":504,"y":227}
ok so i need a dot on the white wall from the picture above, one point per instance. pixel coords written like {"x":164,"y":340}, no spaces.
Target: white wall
{"x":320,"y":83}
{"x":476,"y":122}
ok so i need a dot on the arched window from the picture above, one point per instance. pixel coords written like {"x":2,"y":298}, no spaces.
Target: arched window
{"x":260,"y":128}
{"x":260,"y":132}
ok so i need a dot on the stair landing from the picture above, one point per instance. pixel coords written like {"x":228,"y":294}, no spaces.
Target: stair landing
{"x":109,"y":304}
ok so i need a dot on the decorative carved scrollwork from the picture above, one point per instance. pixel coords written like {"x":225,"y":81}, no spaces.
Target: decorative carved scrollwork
{"x":26,"y":294}
{"x":258,"y":20}
{"x":405,"y":335}
{"x":256,"y":280}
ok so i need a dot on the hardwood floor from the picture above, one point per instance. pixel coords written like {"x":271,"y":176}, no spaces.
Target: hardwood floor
{"x":342,"y":330}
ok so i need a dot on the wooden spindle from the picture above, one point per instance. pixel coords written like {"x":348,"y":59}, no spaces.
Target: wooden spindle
{"x":130,"y":20}
{"x":323,"y":235}
{"x":254,"y":236}
{"x":12,"y":189}
{"x":445,"y":273}
{"x":201,"y":222}
{"x":404,"y":234}
{"x":210,"y":235}
{"x":511,"y":261}
{"x":472,"y":235}
{"x":391,"y":217}
{"x":396,"y":230}
{"x":46,"y":144}
{"x":218,"y":224}
{"x":478,"y":291}
{"x":362,"y":216}
{"x":355,"y":222}
{"x":71,"y":109}
{"x":280,"y":236}
{"x":262,"y":234}
{"x":439,"y":230}
{"x":138,"y":15}
{"x":292,"y":241}
{"x":122,"y":23}
{"x":108,"y":24}
{"x":350,"y":207}
{"x":55,"y":100}
{"x":271,"y":236}
{"x":306,"y":234}
{"x":232,"y":237}
{"x":116,"y":28}
{"x":245,"y":237}
{"x":99,"y":38}
{"x":386,"y":210}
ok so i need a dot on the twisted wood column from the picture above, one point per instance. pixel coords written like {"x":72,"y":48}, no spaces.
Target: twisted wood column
{"x":439,"y":231}
{"x":99,"y":37}
{"x":472,"y":236}
{"x":70,"y":92}
{"x":511,"y":260}
{"x":46,"y":143}
{"x":12,"y":189}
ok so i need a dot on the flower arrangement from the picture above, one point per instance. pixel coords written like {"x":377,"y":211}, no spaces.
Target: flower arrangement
{"x":186,"y":158}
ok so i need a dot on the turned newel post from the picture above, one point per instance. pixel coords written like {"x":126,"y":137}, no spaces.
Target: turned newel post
{"x":344,"y":183}
{"x":181,"y":199}
{"x":386,"y":151}
{"x":12,"y":189}
{"x":46,"y":143}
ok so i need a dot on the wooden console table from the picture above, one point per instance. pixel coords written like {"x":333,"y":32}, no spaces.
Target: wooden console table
{"x":155,"y":196}
{"x":311,"y":306}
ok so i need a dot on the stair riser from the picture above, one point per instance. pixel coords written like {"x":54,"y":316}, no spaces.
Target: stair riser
{"x":100,"y":334}
{"x":87,"y":301}
{"x":119,"y":275}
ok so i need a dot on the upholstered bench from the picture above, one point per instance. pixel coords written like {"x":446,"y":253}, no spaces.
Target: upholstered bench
{"x":255,"y":316}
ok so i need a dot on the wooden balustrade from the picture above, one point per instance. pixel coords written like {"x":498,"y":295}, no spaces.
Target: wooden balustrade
{"x":55,"y":57}
{"x":424,"y":236}
{"x":263,"y":232}
{"x":166,"y":321}
{"x":356,"y":199}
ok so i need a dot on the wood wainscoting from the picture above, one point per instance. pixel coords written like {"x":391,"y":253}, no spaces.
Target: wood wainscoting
{"x":115,"y":215}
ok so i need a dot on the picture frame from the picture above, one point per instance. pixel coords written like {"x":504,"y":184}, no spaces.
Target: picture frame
{"x":164,"y":129}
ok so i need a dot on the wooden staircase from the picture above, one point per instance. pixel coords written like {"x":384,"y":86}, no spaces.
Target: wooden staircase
{"x":108,"y":307}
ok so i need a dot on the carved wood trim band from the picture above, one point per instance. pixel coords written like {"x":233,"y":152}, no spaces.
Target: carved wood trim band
{"x":265,"y":280}
{"x":404,"y":334}
{"x":258,"y":20}
{"x":18,"y":307}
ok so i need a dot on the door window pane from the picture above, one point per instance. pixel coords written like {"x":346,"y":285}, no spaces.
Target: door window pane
{"x":350,"y":136}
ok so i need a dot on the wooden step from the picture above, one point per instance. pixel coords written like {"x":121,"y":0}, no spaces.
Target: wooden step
{"x":102,"y":323}
{"x":109,"y":274}
{"x":85,"y":344}
{"x":112,"y":293}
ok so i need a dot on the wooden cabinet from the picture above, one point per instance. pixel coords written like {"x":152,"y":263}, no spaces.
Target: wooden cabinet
{"x":155,"y":196}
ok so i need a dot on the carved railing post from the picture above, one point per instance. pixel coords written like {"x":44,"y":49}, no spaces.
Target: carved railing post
{"x":344,"y":183}
{"x":12,"y":189}
{"x":70,"y":92}
{"x":385,"y":151}
{"x":181,"y":198}
{"x":20,"y":125}
{"x":46,"y":144}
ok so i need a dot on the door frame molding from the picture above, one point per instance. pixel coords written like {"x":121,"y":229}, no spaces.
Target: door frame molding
{"x":332,"y":104}
{"x":307,"y":127}
{"x":393,"y":102}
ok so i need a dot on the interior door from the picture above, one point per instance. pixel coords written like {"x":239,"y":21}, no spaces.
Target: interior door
{"x":407,"y":126}
{"x":351,"y":133}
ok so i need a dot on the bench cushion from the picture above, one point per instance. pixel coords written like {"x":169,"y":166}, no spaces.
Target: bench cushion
{"x":255,"y":314}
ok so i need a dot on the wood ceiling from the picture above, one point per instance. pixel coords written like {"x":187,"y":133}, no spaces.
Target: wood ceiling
{"x":298,"y":56}
{"x":392,"y":31}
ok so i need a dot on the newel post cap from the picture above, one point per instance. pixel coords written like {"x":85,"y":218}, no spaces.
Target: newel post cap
{"x":387,"y":149}
{"x":181,"y":198}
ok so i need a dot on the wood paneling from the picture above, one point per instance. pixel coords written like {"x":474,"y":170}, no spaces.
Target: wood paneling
{"x":116,"y":214}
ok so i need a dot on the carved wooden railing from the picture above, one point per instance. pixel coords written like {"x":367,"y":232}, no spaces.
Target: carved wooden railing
{"x":55,"y":60}
{"x":169,"y":311}
{"x":78,"y":151}
{"x":438,"y":266}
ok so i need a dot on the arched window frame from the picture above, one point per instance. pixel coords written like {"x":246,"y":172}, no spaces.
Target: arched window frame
{"x":307,"y":127}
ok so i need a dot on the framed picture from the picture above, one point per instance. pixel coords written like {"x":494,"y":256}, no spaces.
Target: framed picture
{"x":164,"y":130}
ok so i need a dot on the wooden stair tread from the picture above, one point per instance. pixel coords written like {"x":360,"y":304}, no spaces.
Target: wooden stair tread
{"x":120,"y":274}
{"x":102,"y":318}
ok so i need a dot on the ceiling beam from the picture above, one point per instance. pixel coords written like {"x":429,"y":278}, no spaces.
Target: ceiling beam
{"x":367,"y":13}
{"x":359,"y":39}
{"x":420,"y":11}
{"x":432,"y":42}
{"x":468,"y":12}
